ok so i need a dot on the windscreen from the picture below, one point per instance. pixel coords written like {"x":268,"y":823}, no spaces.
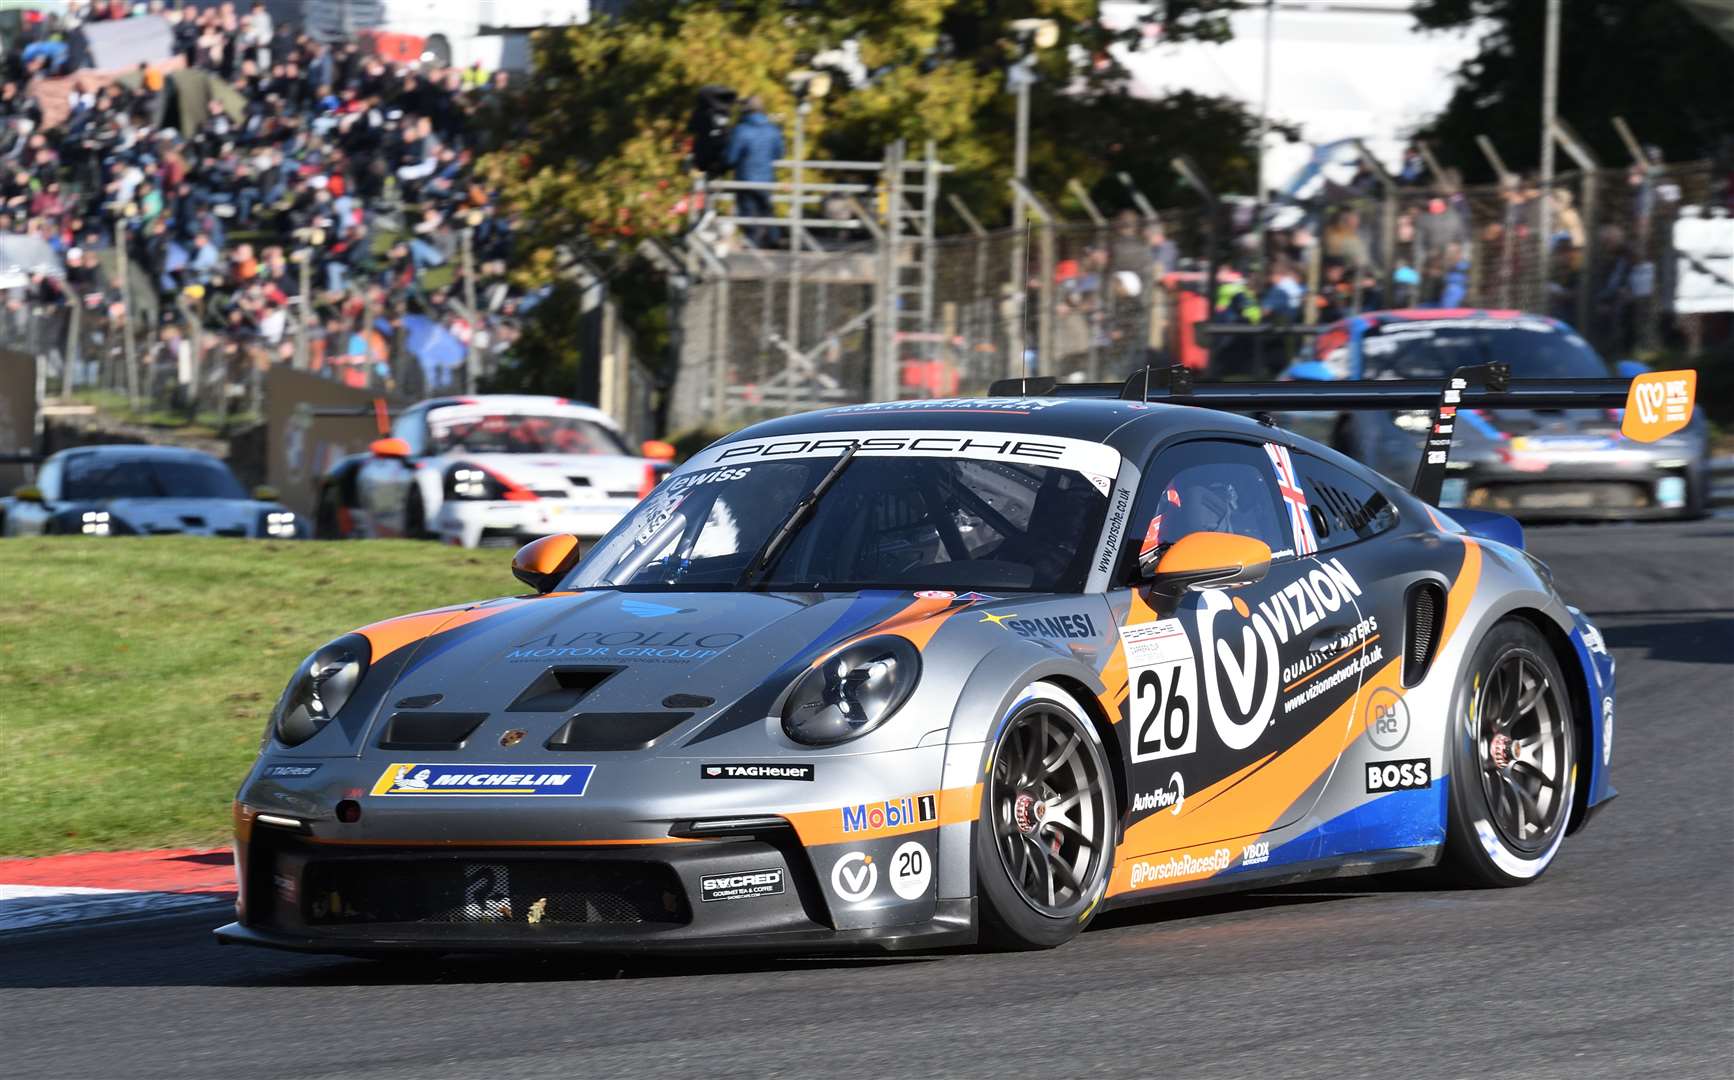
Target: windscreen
{"x":107,"y":476}
{"x":471,"y":432}
{"x":1432,"y":350}
{"x":916,"y":522}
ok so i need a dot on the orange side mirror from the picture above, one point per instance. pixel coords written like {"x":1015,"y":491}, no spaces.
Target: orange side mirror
{"x":1210,"y":560}
{"x":657,"y":450}
{"x":541,"y":564}
{"x":388,"y":448}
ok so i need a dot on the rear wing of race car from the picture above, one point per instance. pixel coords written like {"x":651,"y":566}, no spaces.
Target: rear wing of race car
{"x":1656,"y":403}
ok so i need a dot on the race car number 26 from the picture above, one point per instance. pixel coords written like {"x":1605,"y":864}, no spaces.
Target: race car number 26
{"x":1164,"y":690}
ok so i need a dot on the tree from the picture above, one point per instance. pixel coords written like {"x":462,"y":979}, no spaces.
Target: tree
{"x":603,"y":159}
{"x":1650,"y":62}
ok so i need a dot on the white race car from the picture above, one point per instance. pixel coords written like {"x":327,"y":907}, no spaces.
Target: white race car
{"x":494,"y":469}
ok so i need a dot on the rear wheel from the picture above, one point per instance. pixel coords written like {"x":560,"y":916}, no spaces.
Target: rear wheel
{"x":328,"y":515}
{"x":1044,"y":845}
{"x":1513,"y":761}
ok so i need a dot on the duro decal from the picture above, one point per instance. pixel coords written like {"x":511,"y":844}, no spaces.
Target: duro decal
{"x":1387,"y":718}
{"x":1407,"y":775}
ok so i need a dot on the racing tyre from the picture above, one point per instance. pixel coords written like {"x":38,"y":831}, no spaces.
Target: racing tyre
{"x":1513,"y":759}
{"x":328,"y":515}
{"x":415,"y":518}
{"x":1044,"y":845}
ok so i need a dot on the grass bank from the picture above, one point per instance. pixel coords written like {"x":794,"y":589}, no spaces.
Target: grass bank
{"x":136,"y":675}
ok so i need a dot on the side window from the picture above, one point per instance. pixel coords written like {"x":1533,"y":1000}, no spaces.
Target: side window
{"x":1343,"y":507}
{"x":1208,"y":485}
{"x":48,"y":481}
{"x":411,"y":427}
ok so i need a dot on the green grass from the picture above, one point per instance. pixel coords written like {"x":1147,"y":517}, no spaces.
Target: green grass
{"x":136,"y":675}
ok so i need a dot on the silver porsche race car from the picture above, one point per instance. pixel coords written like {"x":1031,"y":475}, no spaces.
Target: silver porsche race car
{"x":927,"y":673}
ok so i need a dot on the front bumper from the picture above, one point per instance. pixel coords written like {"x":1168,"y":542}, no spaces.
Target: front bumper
{"x":1577,"y":491}
{"x":758,"y":892}
{"x":505,"y":523}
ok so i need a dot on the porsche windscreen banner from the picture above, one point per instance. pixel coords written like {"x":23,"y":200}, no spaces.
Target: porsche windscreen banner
{"x":1098,"y":463}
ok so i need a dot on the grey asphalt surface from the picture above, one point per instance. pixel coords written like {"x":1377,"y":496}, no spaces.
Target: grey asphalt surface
{"x":1618,"y":963}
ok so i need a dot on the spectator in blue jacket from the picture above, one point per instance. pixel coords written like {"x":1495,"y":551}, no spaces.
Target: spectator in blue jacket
{"x":755,"y":144}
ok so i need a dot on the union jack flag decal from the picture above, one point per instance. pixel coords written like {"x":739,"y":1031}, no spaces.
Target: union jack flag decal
{"x":1288,"y":483}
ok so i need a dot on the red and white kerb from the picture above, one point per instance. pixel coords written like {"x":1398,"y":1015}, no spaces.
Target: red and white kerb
{"x":1293,"y":498}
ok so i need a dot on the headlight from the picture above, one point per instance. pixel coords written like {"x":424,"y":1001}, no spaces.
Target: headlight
{"x":1417,"y":420}
{"x":277,"y":524}
{"x":472,"y":482}
{"x":319,"y":687}
{"x":853,"y":692}
{"x":91,"y":523}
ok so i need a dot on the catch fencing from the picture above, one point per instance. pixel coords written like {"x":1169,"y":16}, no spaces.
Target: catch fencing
{"x":882,"y":308}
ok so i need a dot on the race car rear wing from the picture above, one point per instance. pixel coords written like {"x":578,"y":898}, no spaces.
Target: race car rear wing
{"x":1656,"y":403}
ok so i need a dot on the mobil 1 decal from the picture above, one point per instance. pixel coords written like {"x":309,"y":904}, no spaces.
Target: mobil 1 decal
{"x":1224,"y":678}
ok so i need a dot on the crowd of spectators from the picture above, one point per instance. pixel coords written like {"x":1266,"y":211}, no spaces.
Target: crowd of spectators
{"x":1123,"y":292}
{"x":315,"y":184}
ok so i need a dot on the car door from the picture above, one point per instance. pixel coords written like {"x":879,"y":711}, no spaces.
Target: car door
{"x":30,"y":518}
{"x":384,"y":483}
{"x":1348,"y":513}
{"x":1235,"y":700}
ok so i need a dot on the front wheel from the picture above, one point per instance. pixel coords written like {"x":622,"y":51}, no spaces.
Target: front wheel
{"x":1044,"y":845}
{"x":1513,"y":761}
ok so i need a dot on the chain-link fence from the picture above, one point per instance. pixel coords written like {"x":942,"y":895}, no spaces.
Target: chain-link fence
{"x":888,"y":313}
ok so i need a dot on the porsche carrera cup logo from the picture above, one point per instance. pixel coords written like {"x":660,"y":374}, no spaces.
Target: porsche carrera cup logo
{"x":482,"y":780}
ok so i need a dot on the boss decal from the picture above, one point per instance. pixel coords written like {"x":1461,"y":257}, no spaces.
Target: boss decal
{"x":1408,"y":775}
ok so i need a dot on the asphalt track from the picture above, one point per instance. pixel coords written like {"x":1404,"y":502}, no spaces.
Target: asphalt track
{"x":1618,"y":963}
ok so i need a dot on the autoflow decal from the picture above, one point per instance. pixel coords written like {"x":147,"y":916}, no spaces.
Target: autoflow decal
{"x":1098,"y":463}
{"x":1170,"y":797}
{"x":854,"y":877}
{"x":730,"y":770}
{"x":445,"y":780}
{"x":746,"y":885}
